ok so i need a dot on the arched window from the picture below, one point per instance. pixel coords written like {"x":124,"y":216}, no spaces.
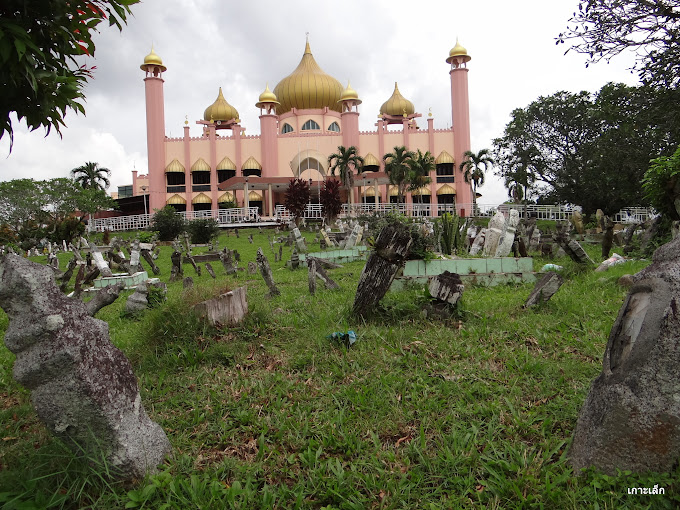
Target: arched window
{"x":334,"y":127}
{"x":310,"y":124}
{"x":287,"y":128}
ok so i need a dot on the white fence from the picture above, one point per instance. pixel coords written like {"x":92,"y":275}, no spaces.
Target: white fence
{"x":224,"y":217}
{"x":240,"y":215}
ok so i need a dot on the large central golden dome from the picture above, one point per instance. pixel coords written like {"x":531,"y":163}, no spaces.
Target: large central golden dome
{"x":308,"y":87}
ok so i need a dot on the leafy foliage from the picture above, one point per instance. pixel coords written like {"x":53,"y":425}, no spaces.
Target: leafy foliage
{"x":346,"y":161}
{"x":397,"y":169}
{"x":662,"y":184}
{"x":420,"y":166}
{"x":474,"y":168}
{"x":589,"y":149}
{"x":297,"y":197}
{"x":605,"y":28}
{"x":331,"y":205}
{"x":168,"y":224}
{"x":447,"y":229}
{"x":91,"y":176}
{"x":41,"y":45}
{"x":202,"y":230}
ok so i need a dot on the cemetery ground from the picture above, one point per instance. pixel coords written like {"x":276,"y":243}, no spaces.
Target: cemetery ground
{"x":473,"y":412}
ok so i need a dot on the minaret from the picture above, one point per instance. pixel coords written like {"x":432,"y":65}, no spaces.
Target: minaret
{"x":155,"y":128}
{"x":350,"y":117}
{"x":460,"y":117}
{"x":269,"y":137}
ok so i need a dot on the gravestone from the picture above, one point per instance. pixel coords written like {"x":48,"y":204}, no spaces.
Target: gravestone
{"x":100,"y":262}
{"x":478,"y":243}
{"x":188,"y":282}
{"x":577,"y":221}
{"x":322,"y":275}
{"x":576,"y":252}
{"x":266,"y":273}
{"x":82,"y":387}
{"x":227,"y":261}
{"x":176,"y":271}
{"x":299,"y":240}
{"x":252,"y":267}
{"x":68,"y":274}
{"x":505,"y":246}
{"x":544,"y":289}
{"x":446,"y":287}
{"x":599,"y":220}
{"x":134,"y":258}
{"x":327,"y":239}
{"x":192,"y":261}
{"x":250,"y":238}
{"x":103,"y":297}
{"x":146,"y":254}
{"x":210,"y":270}
{"x":493,"y":234}
{"x":534,"y":239}
{"x":311,"y":275}
{"x":352,"y":237}
{"x":228,"y":309}
{"x":137,"y":301}
{"x":631,"y":417}
{"x":280,"y":252}
{"x":294,"y":260}
{"x":390,"y":251}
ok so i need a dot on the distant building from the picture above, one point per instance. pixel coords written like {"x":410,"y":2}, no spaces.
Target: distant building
{"x":302,"y":121}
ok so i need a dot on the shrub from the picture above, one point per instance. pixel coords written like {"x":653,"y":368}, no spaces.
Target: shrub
{"x":203,"y":230}
{"x":447,"y":229}
{"x":422,"y":243}
{"x":662,"y":184}
{"x":168,"y":224}
{"x":331,"y":205}
{"x":297,"y":198}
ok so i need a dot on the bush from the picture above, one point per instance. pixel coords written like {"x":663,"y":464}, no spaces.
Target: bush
{"x":297,"y":198}
{"x":330,"y":199}
{"x":422,"y":243}
{"x":203,"y":230}
{"x":168,"y":223}
{"x":662,"y":184}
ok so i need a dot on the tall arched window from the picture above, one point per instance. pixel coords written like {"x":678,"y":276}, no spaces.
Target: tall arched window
{"x":334,"y":127}
{"x":287,"y":128}
{"x":310,"y":124}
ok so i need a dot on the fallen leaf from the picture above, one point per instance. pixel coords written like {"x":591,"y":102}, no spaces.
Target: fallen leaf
{"x":403,"y":440}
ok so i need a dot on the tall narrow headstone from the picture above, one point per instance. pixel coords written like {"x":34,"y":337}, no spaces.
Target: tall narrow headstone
{"x":100,"y":262}
{"x":266,"y":273}
{"x":311,"y":275}
{"x":505,"y":247}
{"x":493,"y":234}
{"x":478,"y":243}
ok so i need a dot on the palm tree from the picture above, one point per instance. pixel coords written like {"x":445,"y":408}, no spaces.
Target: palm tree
{"x":473,"y":167}
{"x":420,"y":165}
{"x":345,"y":161}
{"x":91,"y":176}
{"x":397,"y":169}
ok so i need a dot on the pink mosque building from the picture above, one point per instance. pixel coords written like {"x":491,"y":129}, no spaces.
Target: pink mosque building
{"x":302,"y":121}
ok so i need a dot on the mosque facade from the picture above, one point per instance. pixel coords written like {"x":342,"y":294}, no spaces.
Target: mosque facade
{"x":302,"y":122}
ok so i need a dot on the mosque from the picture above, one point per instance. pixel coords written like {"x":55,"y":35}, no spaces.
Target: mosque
{"x":302,"y":121}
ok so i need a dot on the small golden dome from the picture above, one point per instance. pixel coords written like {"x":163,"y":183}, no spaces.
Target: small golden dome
{"x":370,"y":160}
{"x":200,"y":165}
{"x":266,"y":97}
{"x":251,"y":164}
{"x":349,"y":94}
{"x":174,"y":166}
{"x":308,"y":87}
{"x":220,"y":110}
{"x":226,"y":164}
{"x":152,"y":59}
{"x":458,"y":51}
{"x":444,"y":158}
{"x":397,"y":104}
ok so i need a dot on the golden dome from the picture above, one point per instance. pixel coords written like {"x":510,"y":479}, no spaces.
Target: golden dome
{"x":458,"y":51}
{"x":444,"y":158}
{"x":371,"y":160}
{"x":200,"y":165}
{"x":266,"y":97}
{"x":308,"y":86}
{"x":152,"y":59}
{"x":220,"y":110}
{"x":174,"y":166}
{"x":226,"y":164}
{"x":251,"y":164}
{"x":349,"y":94}
{"x":397,"y":104}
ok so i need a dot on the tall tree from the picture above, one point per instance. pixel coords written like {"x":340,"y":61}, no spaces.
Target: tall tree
{"x":346,"y":161}
{"x":590,"y":149}
{"x":41,"y":44}
{"x":297,"y":198}
{"x":91,"y":176}
{"x":397,"y":169}
{"x":420,"y":166}
{"x":474,"y":167}
{"x":603,"y":29}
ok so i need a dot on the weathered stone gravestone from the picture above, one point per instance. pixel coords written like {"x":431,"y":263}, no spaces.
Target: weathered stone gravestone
{"x":100,"y":262}
{"x":351,"y":240}
{"x":478,"y":243}
{"x":146,"y":254}
{"x":209,"y":268}
{"x":631,"y":417}
{"x":544,"y":289}
{"x":227,"y":310}
{"x":505,"y":245}
{"x":137,"y":301}
{"x":321,"y":274}
{"x":576,"y":252}
{"x":250,"y":238}
{"x":266,"y":273}
{"x":188,"y":282}
{"x":446,"y":287}
{"x":294,"y":259}
{"x":227,"y":261}
{"x":299,"y":240}
{"x":176,"y":271}
{"x":390,"y":251}
{"x":577,"y":221}
{"x":493,"y":234}
{"x":325,"y":238}
{"x":252,"y":267}
{"x":134,"y":258}
{"x":311,"y":275}
{"x":82,"y":387}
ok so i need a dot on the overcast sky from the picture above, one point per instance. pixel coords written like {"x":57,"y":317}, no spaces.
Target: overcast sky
{"x":241,"y":46}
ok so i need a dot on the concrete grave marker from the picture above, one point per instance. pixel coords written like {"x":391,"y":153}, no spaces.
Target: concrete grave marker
{"x":544,"y":289}
{"x":82,"y":387}
{"x":493,"y":234}
{"x":266,"y":273}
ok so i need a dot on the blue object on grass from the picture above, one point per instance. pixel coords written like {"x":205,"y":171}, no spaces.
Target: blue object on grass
{"x":348,"y":338}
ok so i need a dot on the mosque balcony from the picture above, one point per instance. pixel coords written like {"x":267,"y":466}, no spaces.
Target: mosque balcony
{"x":176,"y":189}
{"x":200,"y":187}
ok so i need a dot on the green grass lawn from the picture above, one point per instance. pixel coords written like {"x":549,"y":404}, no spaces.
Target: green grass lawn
{"x":418,"y":414}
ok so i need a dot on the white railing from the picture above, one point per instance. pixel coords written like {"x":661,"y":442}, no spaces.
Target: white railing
{"x":224,"y":217}
{"x":238,"y":215}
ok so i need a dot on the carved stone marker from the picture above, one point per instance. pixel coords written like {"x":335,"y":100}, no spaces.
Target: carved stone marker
{"x":82,"y":387}
{"x":631,"y":417}
{"x":493,"y":234}
{"x":299,"y":240}
{"x":505,"y":246}
{"x":576,"y":252}
{"x":321,"y":274}
{"x":266,"y":273}
{"x":544,"y":289}
{"x":252,"y":267}
{"x":446,"y":287}
{"x":390,"y":250}
{"x":134,"y":258}
{"x":311,"y":275}
{"x":577,"y":221}
{"x":188,"y":282}
{"x":227,"y":261}
{"x":210,"y":270}
{"x":227,"y":310}
{"x":176,"y":271}
{"x":294,"y":259}
{"x":478,"y":243}
{"x":137,"y":301}
{"x":146,"y":254}
{"x":100,"y":262}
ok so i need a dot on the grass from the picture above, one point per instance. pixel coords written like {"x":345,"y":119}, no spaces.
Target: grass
{"x":417,"y":414}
